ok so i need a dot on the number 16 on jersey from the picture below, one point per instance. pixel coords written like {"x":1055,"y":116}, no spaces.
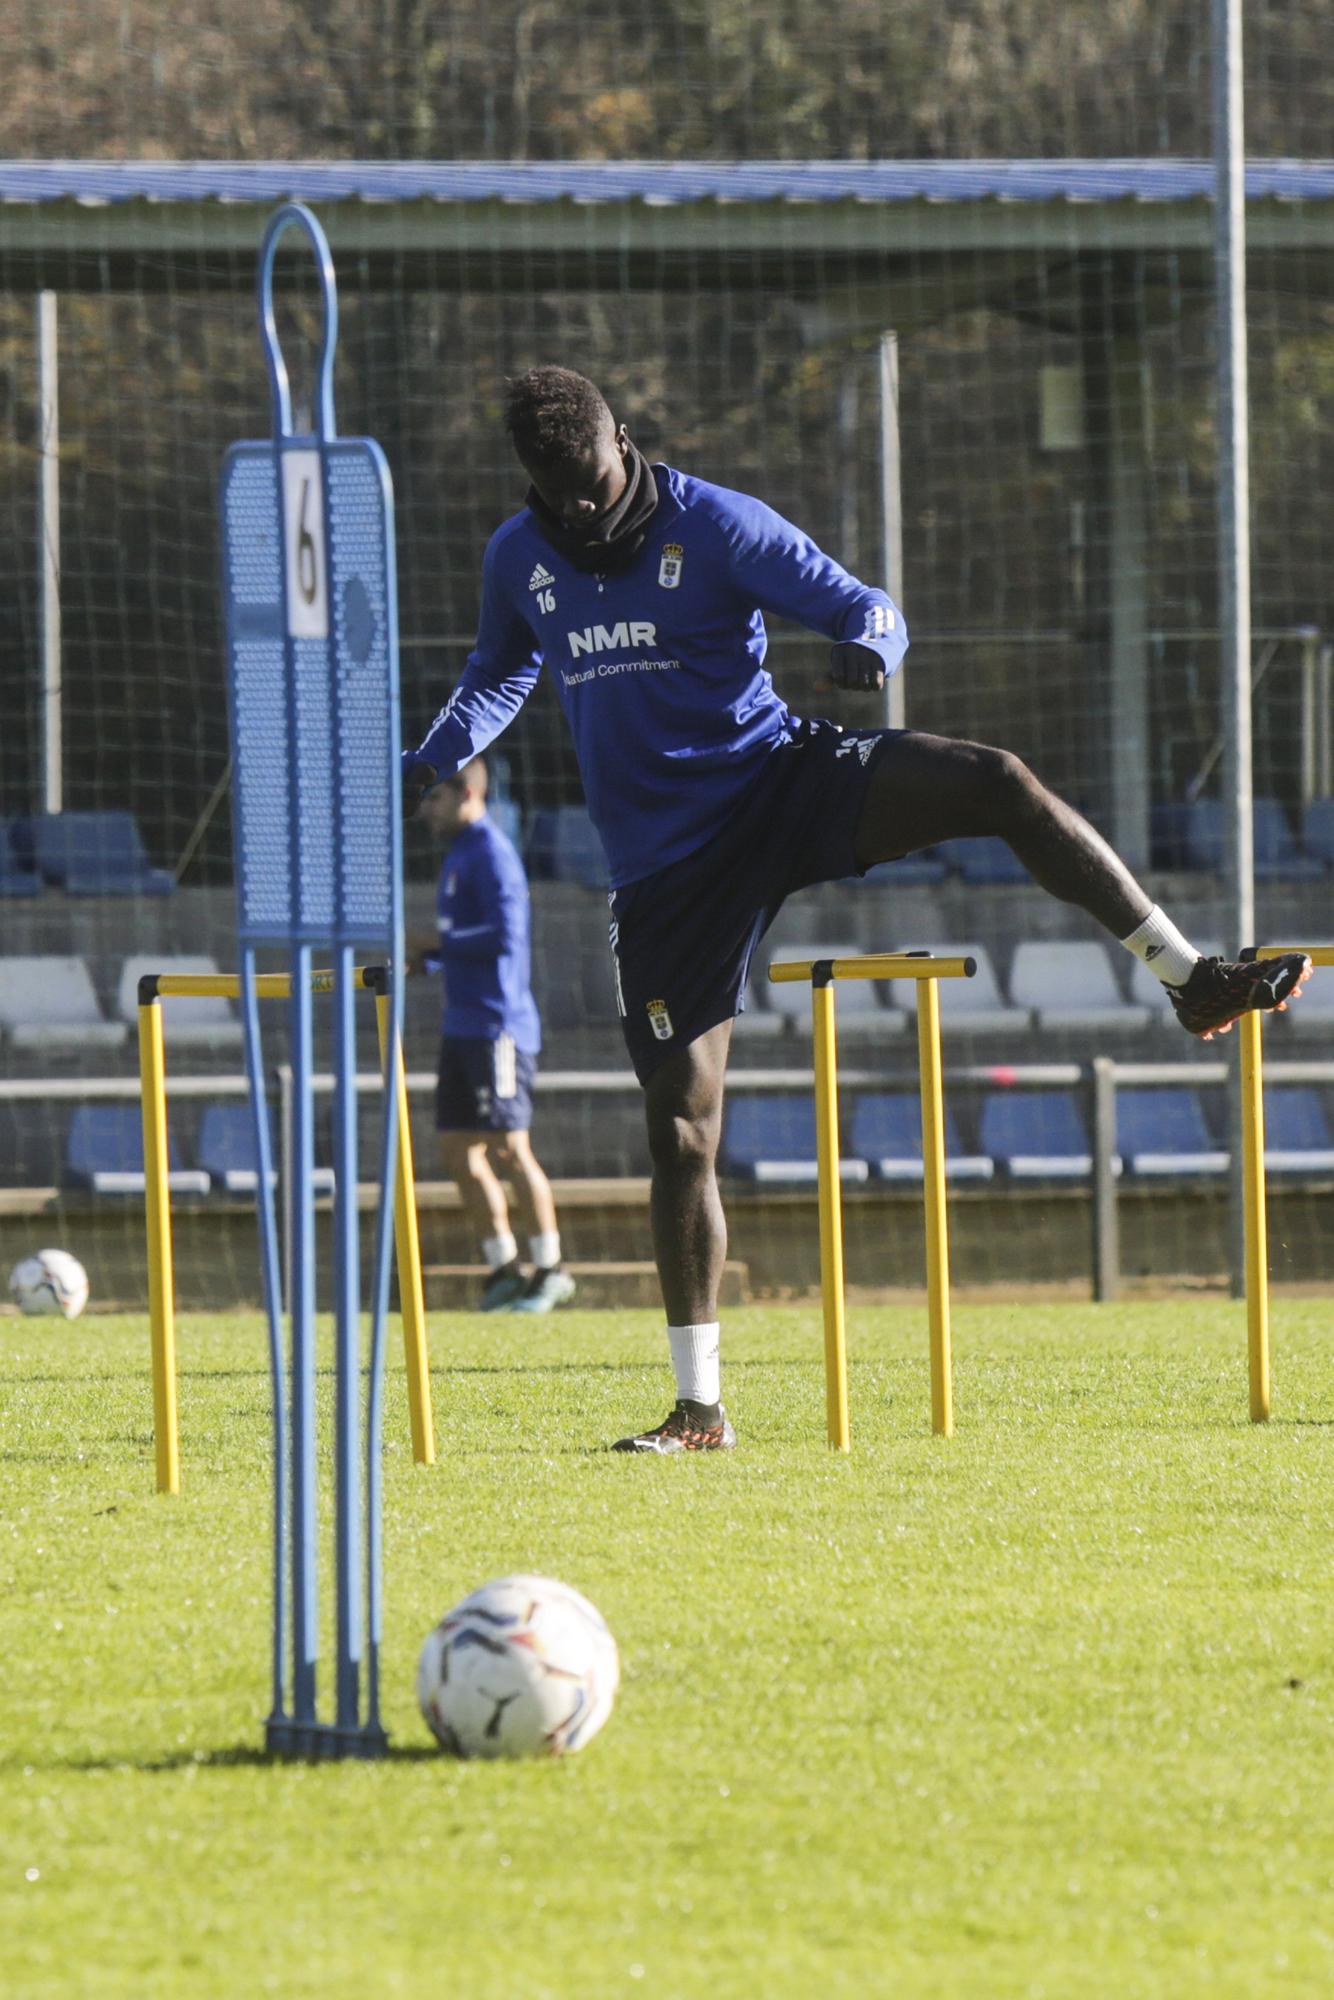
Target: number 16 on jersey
{"x":303,"y":513}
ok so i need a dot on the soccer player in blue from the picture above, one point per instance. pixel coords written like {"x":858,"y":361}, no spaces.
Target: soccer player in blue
{"x":643,"y":591}
{"x":489,"y":1042}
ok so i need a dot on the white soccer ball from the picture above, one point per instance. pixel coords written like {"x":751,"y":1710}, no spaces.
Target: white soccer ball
{"x":525,"y":1667}
{"x":50,"y":1282}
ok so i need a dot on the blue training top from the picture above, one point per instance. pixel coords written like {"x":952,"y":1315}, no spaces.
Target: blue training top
{"x":660,"y":667}
{"x":482,"y":912}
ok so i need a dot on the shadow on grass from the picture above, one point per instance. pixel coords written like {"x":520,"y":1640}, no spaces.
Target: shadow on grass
{"x":239,"y":1756}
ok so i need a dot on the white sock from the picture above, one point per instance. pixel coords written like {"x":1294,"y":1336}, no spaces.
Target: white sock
{"x":695,"y":1361}
{"x":1160,"y":945}
{"x":545,"y":1249}
{"x":499,"y":1250}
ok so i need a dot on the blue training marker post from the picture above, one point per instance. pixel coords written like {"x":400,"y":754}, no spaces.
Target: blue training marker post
{"x":312,"y":651}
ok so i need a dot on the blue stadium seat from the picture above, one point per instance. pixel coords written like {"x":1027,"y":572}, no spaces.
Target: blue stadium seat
{"x":1192,"y":834}
{"x":15,"y":879}
{"x":911,"y":871}
{"x":1163,"y":1131}
{"x":1297,"y":1134}
{"x":1036,"y":1135}
{"x":226,"y":1151}
{"x":563,"y":846}
{"x":577,"y":852}
{"x":90,"y":854}
{"x":771,"y":1141}
{"x":984,"y":858}
{"x":887,"y":1133}
{"x":1318,"y":830}
{"x":105,"y":1153}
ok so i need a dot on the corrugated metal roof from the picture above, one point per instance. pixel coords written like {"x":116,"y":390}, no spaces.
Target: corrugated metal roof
{"x":653,"y":181}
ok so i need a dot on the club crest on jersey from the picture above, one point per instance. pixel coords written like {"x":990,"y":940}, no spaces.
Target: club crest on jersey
{"x":659,"y":1019}
{"x":669,"y":569}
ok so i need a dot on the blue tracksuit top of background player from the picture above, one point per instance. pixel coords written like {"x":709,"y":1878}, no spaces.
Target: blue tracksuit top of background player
{"x":482,"y":912}
{"x":659,"y":667}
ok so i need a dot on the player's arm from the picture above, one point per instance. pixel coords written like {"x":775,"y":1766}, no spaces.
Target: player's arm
{"x":777,"y":566}
{"x":500,"y":674}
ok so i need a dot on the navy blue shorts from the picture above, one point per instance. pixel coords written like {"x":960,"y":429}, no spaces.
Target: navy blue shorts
{"x":484,"y":1085}
{"x":682,"y":939}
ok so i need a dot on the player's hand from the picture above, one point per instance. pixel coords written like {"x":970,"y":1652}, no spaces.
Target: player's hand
{"x":418,"y":779}
{"x":854,"y":666}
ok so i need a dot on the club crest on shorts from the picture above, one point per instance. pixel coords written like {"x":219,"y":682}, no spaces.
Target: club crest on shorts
{"x":659,"y":1019}
{"x":669,"y":569}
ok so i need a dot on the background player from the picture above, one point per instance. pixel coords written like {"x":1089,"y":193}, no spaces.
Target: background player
{"x":490,"y":1037}
{"x":643,"y":589}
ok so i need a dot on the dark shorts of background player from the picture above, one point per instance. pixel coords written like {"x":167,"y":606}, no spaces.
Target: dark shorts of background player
{"x":483,"y":1085}
{"x":682,"y":939}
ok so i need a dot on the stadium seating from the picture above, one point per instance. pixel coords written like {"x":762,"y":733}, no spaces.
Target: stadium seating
{"x":563,"y":846}
{"x":1072,"y":986}
{"x":1318,"y":830}
{"x":226,"y":1151}
{"x":969,"y":1006}
{"x":193,"y":1024}
{"x":886,"y":1132}
{"x":48,"y":1005}
{"x":105,"y":1153}
{"x":1297,"y":1134}
{"x":770,"y":1141}
{"x":90,"y":854}
{"x":1036,"y":1135}
{"x":1162,"y":1131}
{"x":1192,"y":834}
{"x":15,"y":879}
{"x":860,"y":1010}
{"x":911,"y":871}
{"x":984,"y":859}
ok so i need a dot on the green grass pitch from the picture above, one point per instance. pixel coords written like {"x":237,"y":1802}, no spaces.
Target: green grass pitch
{"x":1046,"y":1710}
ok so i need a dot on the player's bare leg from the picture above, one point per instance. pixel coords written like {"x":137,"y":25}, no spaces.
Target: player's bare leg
{"x":926,"y":789}
{"x":463,"y":1156}
{"x":683,"y":1102}
{"x":511,"y":1154}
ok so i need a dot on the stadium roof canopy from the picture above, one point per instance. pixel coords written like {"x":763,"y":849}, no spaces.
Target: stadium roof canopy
{"x":499,"y":226}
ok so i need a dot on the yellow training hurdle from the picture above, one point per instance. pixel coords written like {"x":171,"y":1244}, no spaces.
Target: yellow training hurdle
{"x":1253,"y":1186}
{"x":927,"y":971}
{"x":153,"y":989}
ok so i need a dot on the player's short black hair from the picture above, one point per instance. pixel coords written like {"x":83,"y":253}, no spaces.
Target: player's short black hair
{"x":553,"y":414}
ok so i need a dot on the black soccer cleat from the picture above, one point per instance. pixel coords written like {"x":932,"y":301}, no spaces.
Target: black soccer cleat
{"x":502,"y":1289}
{"x":1219,"y":992}
{"x":690,"y":1427}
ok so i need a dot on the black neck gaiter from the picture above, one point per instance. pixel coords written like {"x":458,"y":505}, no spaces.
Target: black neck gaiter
{"x":611,"y":540}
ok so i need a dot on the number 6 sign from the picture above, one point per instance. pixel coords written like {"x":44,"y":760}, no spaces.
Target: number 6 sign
{"x":303,"y":509}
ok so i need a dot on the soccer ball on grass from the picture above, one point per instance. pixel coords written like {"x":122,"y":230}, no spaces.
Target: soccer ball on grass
{"x":50,"y":1282}
{"x":524,"y":1667}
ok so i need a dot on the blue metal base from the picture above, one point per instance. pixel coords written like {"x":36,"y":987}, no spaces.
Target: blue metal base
{"x":323,"y":1741}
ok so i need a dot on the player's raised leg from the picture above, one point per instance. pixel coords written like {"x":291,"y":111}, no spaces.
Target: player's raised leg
{"x":683,"y":1102}
{"x":926,"y":789}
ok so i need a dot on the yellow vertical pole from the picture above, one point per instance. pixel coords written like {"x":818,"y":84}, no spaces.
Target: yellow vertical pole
{"x":1257,"y":1228}
{"x":407,"y":1243}
{"x":157,"y":1216}
{"x":831,"y":1211}
{"x":937,"y":1236}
